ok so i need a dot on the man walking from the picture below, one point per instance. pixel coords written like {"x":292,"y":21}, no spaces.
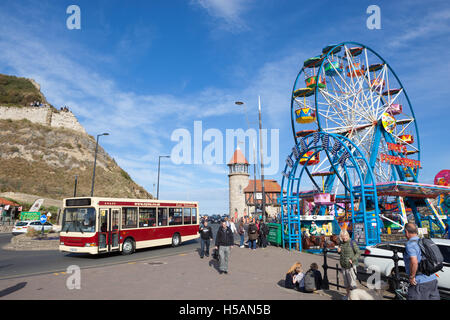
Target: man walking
{"x":224,"y":241}
{"x":422,"y":287}
{"x":206,"y":236}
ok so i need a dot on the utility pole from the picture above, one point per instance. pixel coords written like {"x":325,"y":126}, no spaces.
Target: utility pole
{"x":159,"y":165}
{"x":75,"y":187}
{"x":95,"y":161}
{"x":262,"y":163}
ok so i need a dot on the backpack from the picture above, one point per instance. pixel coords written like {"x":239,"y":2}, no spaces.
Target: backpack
{"x":252,"y":229}
{"x":432,"y":259}
{"x":310,"y":281}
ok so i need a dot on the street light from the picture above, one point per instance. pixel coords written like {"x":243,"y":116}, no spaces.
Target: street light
{"x":159,"y":165}
{"x":263,"y":209}
{"x":95,"y":161}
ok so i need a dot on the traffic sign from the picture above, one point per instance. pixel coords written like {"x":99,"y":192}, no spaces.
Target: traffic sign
{"x":43,"y":219}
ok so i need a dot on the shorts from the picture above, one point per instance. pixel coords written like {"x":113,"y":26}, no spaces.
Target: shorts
{"x":350,"y":278}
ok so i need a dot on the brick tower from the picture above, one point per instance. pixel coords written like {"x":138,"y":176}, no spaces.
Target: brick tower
{"x":238,"y":178}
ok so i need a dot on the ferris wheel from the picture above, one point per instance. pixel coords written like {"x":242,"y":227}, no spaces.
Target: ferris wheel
{"x":352,"y":91}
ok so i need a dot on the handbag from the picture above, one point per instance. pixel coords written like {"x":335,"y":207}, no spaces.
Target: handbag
{"x":215,"y":254}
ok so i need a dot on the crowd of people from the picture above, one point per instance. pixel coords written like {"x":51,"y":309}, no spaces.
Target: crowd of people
{"x":40,"y":104}
{"x":422,"y":286}
{"x":256,"y":230}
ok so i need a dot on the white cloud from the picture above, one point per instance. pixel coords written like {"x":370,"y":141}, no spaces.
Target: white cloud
{"x":227,"y":12}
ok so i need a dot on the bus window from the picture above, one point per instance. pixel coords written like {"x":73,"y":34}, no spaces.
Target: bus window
{"x":147,"y":217}
{"x":162,"y":217}
{"x":187,"y":216}
{"x":175,"y":215}
{"x":194,"y":215}
{"x":78,"y":220}
{"x":115,"y":219}
{"x":129,"y":218}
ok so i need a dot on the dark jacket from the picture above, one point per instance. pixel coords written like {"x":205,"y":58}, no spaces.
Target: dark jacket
{"x":205,"y":232}
{"x":349,"y":251}
{"x":224,"y":237}
{"x":288,"y":281}
{"x":252,"y":231}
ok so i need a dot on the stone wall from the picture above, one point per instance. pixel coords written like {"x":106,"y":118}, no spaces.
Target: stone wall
{"x":43,"y":115}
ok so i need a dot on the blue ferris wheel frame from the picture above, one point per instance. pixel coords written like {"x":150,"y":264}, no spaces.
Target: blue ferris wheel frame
{"x":363,"y":192}
{"x":399,"y":175}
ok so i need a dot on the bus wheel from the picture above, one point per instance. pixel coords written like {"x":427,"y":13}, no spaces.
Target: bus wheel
{"x":128,"y":247}
{"x":176,"y":240}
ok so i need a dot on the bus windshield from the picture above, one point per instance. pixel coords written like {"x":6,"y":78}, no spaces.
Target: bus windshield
{"x":78,"y":220}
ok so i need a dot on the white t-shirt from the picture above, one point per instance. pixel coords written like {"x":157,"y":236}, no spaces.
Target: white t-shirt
{"x":300,"y":278}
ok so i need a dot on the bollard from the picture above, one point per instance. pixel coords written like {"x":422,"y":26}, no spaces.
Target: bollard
{"x":337,"y":276}
{"x":397,"y":276}
{"x":325,"y":283}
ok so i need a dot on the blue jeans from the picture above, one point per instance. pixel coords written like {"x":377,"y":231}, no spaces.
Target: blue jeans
{"x":252,"y":244}
{"x":204,"y":244}
{"x":242,"y":240}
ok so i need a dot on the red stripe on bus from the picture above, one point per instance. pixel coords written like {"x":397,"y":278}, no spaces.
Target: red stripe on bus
{"x":145,"y":204}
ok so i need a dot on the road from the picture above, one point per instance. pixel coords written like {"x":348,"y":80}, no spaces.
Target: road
{"x":16,"y":264}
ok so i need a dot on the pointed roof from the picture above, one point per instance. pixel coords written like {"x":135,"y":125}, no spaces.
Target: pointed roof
{"x":238,"y":158}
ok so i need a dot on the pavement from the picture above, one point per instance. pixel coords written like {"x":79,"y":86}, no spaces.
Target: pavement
{"x":253,"y":274}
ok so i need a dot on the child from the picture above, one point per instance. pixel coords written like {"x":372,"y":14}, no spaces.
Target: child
{"x":317,"y":275}
{"x":294,"y":277}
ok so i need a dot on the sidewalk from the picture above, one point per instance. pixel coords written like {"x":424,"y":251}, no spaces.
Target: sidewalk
{"x":253,"y":274}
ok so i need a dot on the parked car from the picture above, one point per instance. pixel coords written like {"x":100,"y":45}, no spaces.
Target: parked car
{"x":386,"y":266}
{"x":22,"y":226}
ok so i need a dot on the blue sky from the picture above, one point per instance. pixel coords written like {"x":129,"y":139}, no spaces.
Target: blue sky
{"x":142,"y":69}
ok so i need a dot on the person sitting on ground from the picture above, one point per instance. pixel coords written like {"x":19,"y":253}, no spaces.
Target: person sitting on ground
{"x":295,"y":278}
{"x":313,"y":278}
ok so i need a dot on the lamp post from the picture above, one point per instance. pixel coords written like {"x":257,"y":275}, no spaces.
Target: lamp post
{"x":75,"y":187}
{"x":262,"y":163}
{"x":263,"y":200}
{"x":159,"y":165}
{"x":95,"y":161}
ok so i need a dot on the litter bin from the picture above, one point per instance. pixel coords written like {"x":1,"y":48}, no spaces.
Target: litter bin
{"x":274,"y":236}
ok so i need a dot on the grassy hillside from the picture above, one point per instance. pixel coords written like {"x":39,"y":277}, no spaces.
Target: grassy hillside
{"x":18,"y":91}
{"x":42,"y":160}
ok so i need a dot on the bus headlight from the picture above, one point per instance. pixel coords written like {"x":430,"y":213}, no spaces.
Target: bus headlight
{"x":93,"y":244}
{"x":61,"y":243}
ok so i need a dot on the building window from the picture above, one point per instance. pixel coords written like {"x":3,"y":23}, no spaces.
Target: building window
{"x":129,"y":218}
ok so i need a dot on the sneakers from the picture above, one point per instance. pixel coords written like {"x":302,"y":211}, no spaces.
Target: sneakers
{"x":242,"y":246}
{"x":201,"y":257}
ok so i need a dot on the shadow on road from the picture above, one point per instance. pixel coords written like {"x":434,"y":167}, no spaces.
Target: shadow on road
{"x":12,"y":289}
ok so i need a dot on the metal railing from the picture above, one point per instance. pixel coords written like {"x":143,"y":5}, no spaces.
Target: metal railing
{"x":396,"y":279}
